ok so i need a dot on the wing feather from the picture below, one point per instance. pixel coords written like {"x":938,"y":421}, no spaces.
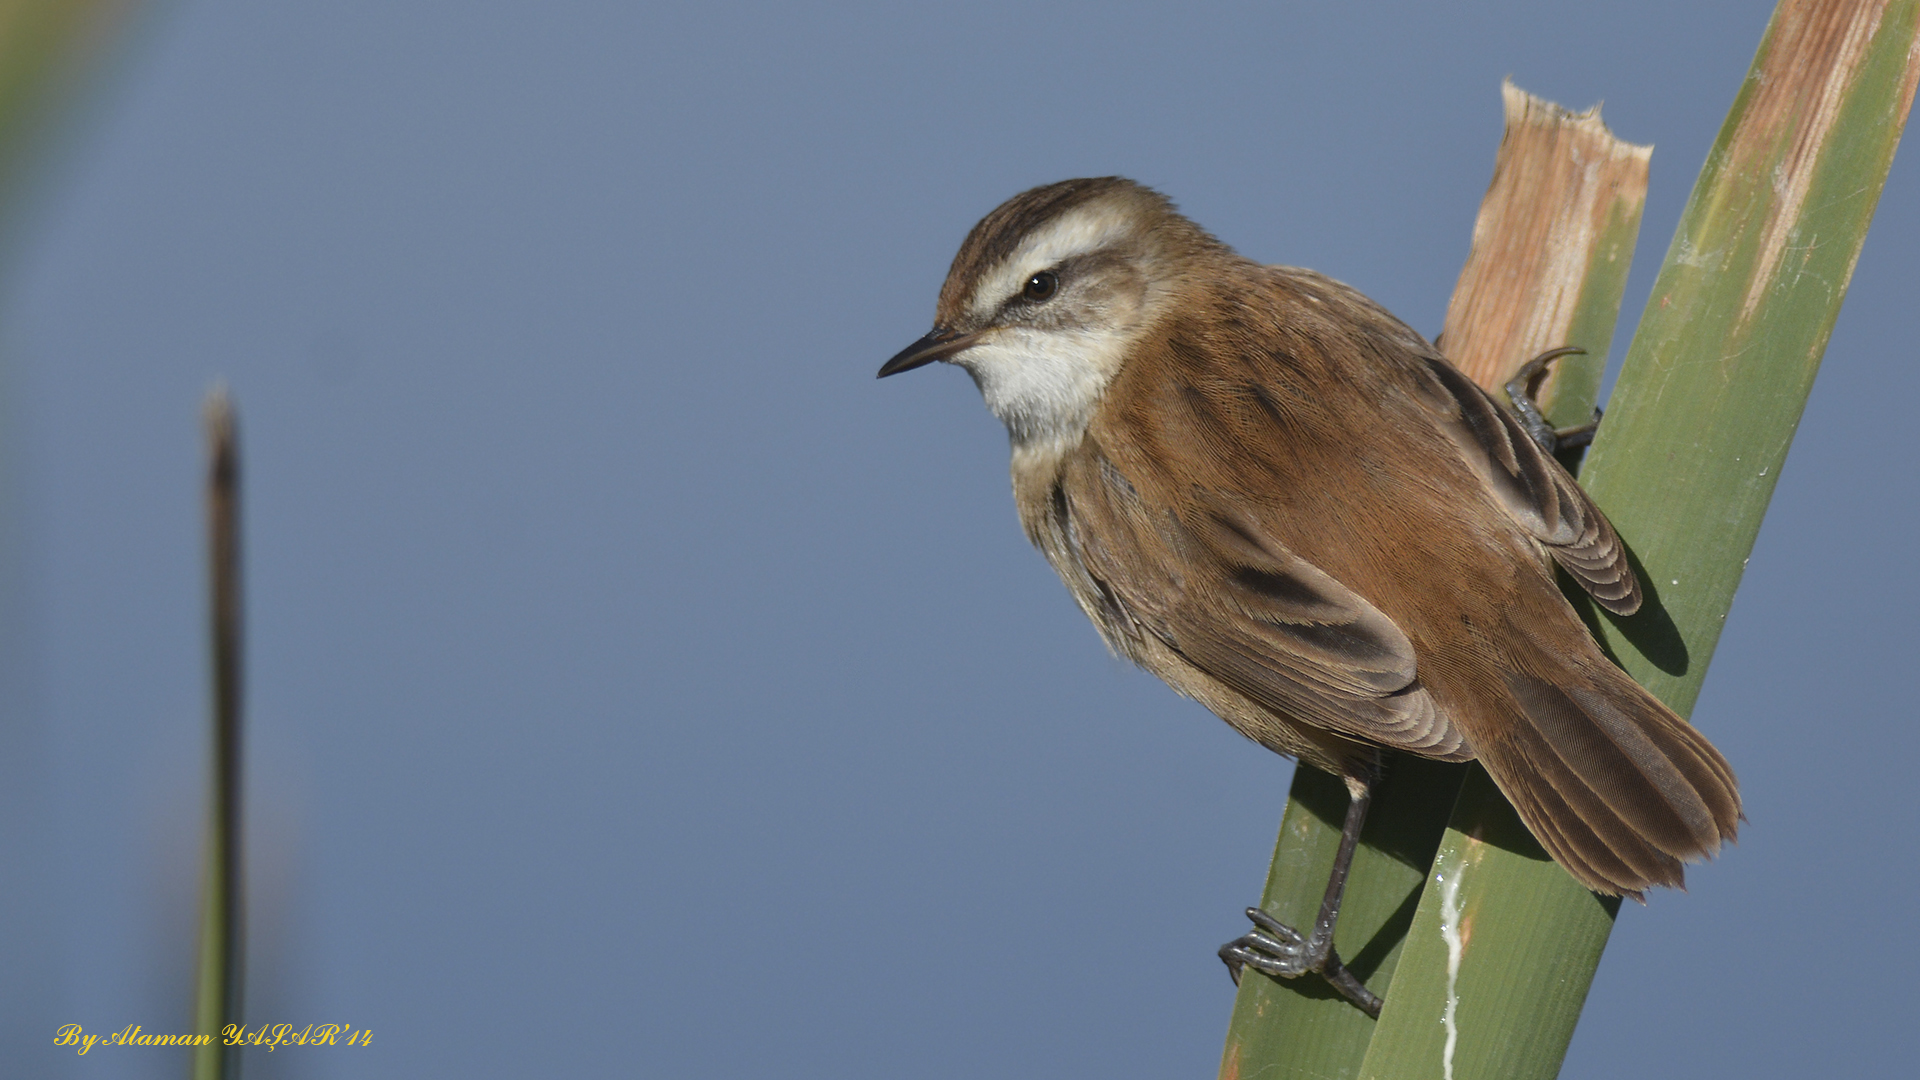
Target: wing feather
{"x":1251,"y":613}
{"x":1533,"y":487}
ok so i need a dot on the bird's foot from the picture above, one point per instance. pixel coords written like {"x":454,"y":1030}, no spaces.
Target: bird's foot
{"x":1520,"y":390}
{"x":1282,"y":952}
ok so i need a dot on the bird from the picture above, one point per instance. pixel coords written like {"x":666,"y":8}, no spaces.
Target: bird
{"x":1286,"y":503}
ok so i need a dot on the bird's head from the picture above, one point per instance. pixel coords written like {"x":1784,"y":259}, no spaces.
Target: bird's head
{"x":1049,"y":293}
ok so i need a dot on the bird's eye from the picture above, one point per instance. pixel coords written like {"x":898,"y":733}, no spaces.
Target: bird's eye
{"x":1041,"y":286}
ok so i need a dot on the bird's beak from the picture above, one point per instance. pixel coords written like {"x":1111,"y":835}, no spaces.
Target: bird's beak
{"x":937,"y":345}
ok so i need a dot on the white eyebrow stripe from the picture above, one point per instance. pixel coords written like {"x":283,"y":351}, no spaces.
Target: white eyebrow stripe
{"x":1077,"y":232}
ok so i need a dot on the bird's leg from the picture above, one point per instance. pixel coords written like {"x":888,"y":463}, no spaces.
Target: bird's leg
{"x":1520,"y":390}
{"x":1281,"y":951}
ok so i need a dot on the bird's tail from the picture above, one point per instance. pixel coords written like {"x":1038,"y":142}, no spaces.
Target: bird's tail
{"x":1616,"y":786}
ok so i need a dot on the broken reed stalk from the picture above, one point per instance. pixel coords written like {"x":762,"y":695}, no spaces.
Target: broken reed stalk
{"x":218,"y":1002}
{"x":1504,"y":944}
{"x":1551,"y":247}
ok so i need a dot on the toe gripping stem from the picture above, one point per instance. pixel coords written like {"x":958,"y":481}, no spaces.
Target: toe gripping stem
{"x":1520,"y":391}
{"x":1276,"y":949}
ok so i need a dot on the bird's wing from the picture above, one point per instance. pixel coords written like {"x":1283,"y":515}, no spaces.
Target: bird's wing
{"x":1534,"y":488}
{"x":1220,"y":591}
{"x":1539,"y":494}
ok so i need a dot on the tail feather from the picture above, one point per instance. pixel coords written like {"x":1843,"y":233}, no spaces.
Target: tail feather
{"x":1566,"y":809}
{"x":1616,"y":760}
{"x":1573,"y":843}
{"x":1705,"y":769}
{"x":1613,"y":784}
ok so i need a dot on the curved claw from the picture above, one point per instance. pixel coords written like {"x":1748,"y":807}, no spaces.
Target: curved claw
{"x":1274,"y":949}
{"x":1274,"y":926}
{"x":1520,"y":390}
{"x":1281,"y":952}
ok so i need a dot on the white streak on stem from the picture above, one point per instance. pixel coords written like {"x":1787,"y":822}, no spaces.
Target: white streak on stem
{"x":1450,"y":933}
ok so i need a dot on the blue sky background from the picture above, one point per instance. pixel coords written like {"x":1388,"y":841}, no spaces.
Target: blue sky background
{"x":639,"y":688}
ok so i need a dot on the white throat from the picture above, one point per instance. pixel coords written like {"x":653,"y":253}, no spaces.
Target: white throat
{"x":1045,"y":384}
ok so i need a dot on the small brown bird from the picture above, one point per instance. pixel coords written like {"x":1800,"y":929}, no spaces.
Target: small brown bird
{"x":1280,"y":499}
